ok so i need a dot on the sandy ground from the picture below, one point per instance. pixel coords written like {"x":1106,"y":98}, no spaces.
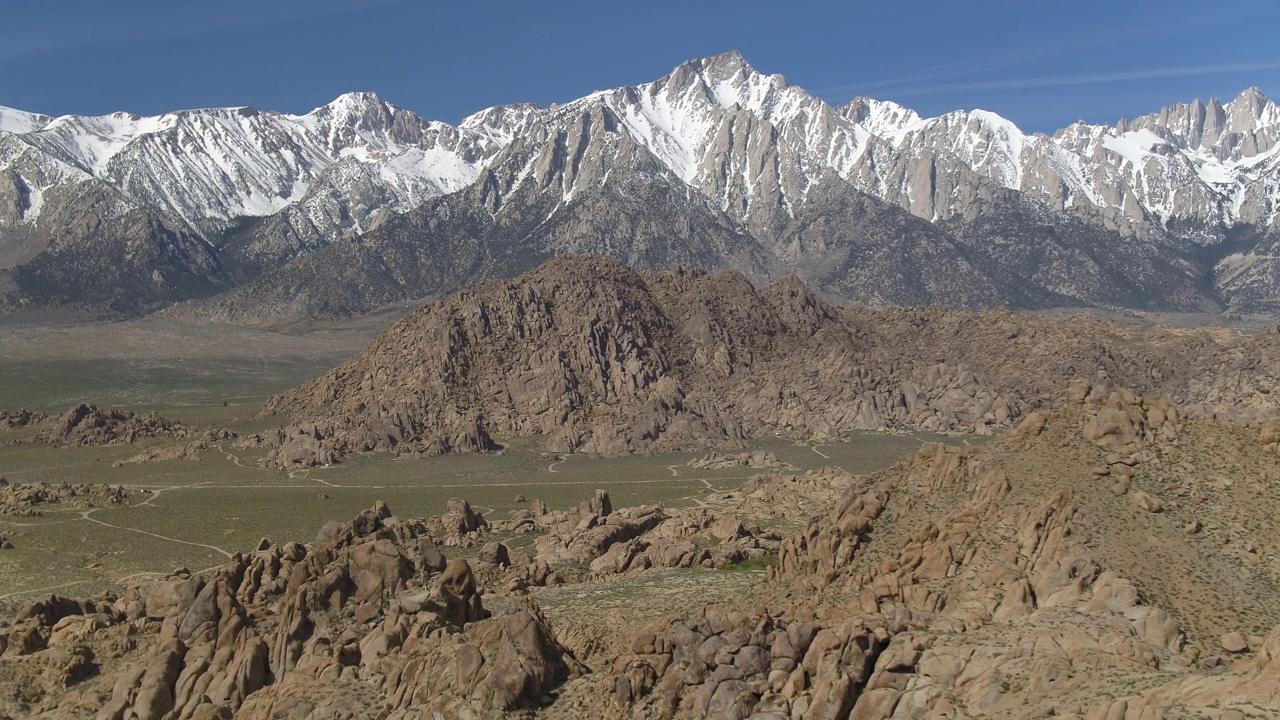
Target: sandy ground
{"x":28,"y":338}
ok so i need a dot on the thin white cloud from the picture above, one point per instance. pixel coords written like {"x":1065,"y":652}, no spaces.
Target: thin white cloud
{"x":1041,"y":50}
{"x":1055,"y":81}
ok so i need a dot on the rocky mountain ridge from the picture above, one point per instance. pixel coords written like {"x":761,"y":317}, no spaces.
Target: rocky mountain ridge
{"x":1173,"y":210}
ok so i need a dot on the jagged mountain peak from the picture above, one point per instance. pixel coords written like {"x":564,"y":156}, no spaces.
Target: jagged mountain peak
{"x":728,"y":81}
{"x":356,"y":108}
{"x":882,"y":118}
{"x":1252,"y":110}
{"x":1252,"y":94}
{"x":1213,"y":126}
{"x":356,"y":98}
{"x":498,"y":126}
{"x":732,"y":68}
{"x":361,"y":119}
{"x":500,"y":115}
{"x":726,"y":65}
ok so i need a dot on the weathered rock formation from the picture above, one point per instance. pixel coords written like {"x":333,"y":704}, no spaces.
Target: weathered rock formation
{"x":190,"y":452}
{"x":15,"y":419}
{"x":85,"y":425}
{"x":593,"y":357}
{"x":1015,"y":579}
{"x":1007,"y":581}
{"x":754,"y":459}
{"x":29,"y":499}
{"x":364,"y":621}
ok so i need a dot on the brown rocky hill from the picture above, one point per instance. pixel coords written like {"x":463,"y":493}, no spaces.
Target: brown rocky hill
{"x":595,"y":357}
{"x":1111,"y":560}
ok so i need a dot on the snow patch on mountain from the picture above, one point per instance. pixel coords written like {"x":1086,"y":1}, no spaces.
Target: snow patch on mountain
{"x":748,"y":141}
{"x":1136,"y":148}
{"x":18,"y":121}
{"x":209,"y":167}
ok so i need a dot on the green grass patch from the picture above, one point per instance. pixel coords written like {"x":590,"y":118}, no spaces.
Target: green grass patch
{"x":755,"y":564}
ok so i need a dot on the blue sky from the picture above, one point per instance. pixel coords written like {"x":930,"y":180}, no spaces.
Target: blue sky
{"x":1041,"y":64}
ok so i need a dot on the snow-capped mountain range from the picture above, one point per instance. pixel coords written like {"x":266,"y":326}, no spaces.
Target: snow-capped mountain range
{"x":715,"y":164}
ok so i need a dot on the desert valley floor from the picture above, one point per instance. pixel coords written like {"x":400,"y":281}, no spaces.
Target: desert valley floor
{"x":195,"y":514}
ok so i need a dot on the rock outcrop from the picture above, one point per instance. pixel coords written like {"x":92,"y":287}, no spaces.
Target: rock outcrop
{"x":291,"y":632}
{"x":16,"y":419}
{"x":85,"y":425}
{"x":30,"y":499}
{"x":1006,"y":581}
{"x":590,"y":356}
{"x":1021,"y":578}
{"x":758,"y":459}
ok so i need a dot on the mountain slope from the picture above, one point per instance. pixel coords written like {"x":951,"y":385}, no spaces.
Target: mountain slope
{"x":715,"y":164}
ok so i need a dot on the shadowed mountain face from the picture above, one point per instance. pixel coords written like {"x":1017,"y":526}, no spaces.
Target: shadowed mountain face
{"x":592,"y":356}
{"x":262,"y":215}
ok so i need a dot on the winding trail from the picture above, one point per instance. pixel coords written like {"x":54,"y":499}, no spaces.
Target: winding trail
{"x":524,"y":484}
{"x":152,"y":495}
{"x":150,"y":574}
{"x":43,"y":589}
{"x":305,"y":474}
{"x":41,"y":524}
{"x":672,"y":468}
{"x":552,"y":467}
{"x":236,"y":459}
{"x":86,"y":515}
{"x":156,"y":492}
{"x":815,"y":449}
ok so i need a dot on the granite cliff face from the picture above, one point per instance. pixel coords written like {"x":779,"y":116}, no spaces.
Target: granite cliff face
{"x":359,"y":203}
{"x":591,"y":356}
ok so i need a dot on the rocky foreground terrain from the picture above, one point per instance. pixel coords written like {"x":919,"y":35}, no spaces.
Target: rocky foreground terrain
{"x":591,"y":356}
{"x":1110,"y":559}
